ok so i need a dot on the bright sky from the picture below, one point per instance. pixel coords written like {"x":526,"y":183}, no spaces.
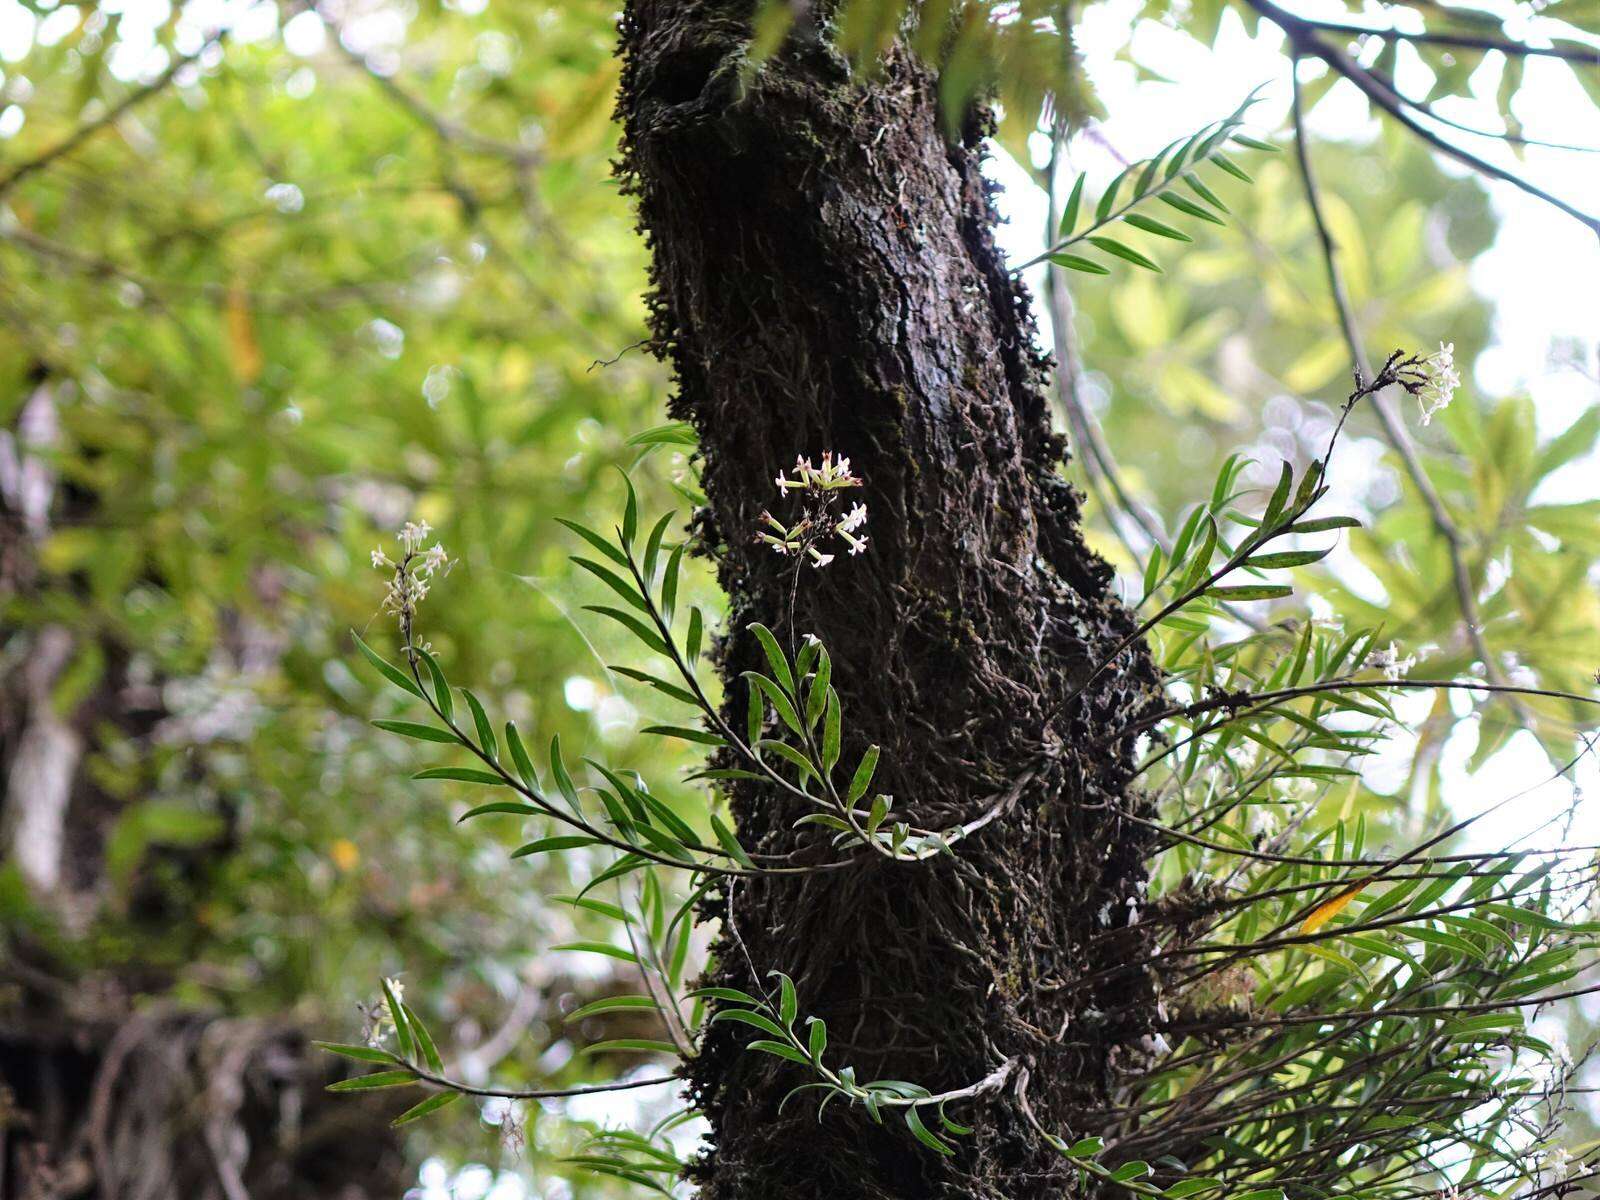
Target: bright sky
{"x":1542,"y":273}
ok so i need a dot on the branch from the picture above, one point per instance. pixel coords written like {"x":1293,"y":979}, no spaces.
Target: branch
{"x":1514,"y":139}
{"x":538,"y":1093}
{"x":1466,"y":41}
{"x":1304,"y":41}
{"x":1394,"y":431}
{"x":442,"y":127}
{"x":110,"y":117}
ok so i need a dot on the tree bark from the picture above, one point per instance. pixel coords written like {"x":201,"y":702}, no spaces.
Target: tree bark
{"x":825,"y":278}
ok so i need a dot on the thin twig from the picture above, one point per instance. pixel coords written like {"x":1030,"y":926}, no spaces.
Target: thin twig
{"x":1394,"y":431}
{"x":1304,"y":41}
{"x":446,"y":130}
{"x":1465,"y":41}
{"x":536,"y":1093}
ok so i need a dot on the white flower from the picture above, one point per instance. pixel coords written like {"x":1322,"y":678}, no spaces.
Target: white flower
{"x":413,"y":534}
{"x":817,"y":522}
{"x":413,"y":573}
{"x":1558,"y":1162}
{"x":1154,"y":1044}
{"x":1388,"y":661}
{"x":1443,"y":380}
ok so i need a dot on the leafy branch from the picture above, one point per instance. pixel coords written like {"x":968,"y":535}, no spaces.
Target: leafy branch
{"x":1153,"y":179}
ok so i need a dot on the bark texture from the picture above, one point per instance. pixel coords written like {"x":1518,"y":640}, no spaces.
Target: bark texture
{"x":825,"y":278}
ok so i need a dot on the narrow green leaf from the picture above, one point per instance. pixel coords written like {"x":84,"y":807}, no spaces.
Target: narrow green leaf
{"x":775,"y":656}
{"x":1069,"y":215}
{"x":1190,"y":208}
{"x":598,"y":542}
{"x":1287,"y":558}
{"x":431,"y":1105}
{"x":520,"y":759}
{"x":387,"y":669}
{"x":633,"y":625}
{"x":746,"y":1016}
{"x":1232,"y":168}
{"x":609,"y":1004}
{"x":925,"y":1135}
{"x":669,"y":583}
{"x":422,"y":733}
{"x":781,"y":1049}
{"x":688,"y":735}
{"x":480,"y":721}
{"x":509,"y":807}
{"x":732,"y":995}
{"x":1074,"y":262}
{"x":817,"y":1040}
{"x":1112,"y":246}
{"x":634,"y":1045}
{"x":630,"y":511}
{"x":360,"y":1053}
{"x":831,"y":732}
{"x":1263,"y":591}
{"x":441,"y":686}
{"x":728,"y":842}
{"x":378,"y":1079}
{"x":397,"y":1016}
{"x":776,"y":697}
{"x":613,"y":581}
{"x":602,"y":948}
{"x":652,"y":546}
{"x":461,"y":775}
{"x":1324,"y":524}
{"x":567,"y":841}
{"x":424,"y":1040}
{"x":1205,"y":193}
{"x":788,"y":1002}
{"x":1159,"y":228}
{"x":862,"y":779}
{"x":1108,"y":198}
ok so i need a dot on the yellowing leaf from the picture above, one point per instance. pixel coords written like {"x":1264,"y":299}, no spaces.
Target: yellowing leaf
{"x":1329,"y":909}
{"x":243,"y":350}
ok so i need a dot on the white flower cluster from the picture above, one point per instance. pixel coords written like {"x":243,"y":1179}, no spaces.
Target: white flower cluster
{"x":414,"y":572}
{"x":1559,"y":1164}
{"x":1442,"y":381}
{"x":1388,"y":661}
{"x":828,"y":477}
{"x":817,"y":484}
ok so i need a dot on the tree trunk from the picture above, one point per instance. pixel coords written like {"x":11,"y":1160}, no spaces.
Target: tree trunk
{"x":825,"y":278}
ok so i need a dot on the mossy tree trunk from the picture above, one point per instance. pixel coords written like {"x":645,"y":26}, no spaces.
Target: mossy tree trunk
{"x":825,"y":278}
